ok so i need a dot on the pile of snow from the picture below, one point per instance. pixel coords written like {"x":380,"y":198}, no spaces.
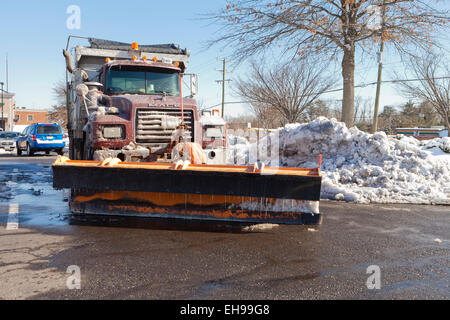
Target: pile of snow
{"x":358,"y":166}
{"x":4,"y":189}
{"x":441,"y":143}
{"x":234,"y":140}
{"x":212,"y":120}
{"x":260,"y":227}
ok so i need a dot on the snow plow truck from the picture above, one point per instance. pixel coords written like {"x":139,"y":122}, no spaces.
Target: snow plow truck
{"x":138,"y":147}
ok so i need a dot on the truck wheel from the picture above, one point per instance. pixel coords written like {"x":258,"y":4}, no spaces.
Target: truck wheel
{"x":60,"y":152}
{"x":88,"y":152}
{"x":19,"y":151}
{"x":30,"y":152}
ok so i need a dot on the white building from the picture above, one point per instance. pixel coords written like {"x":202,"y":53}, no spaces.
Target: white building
{"x":7,"y":110}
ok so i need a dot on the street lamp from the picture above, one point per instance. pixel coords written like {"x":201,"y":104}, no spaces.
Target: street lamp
{"x":3,"y":125}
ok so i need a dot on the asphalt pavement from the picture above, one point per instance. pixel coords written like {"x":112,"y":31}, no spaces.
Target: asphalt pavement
{"x":359,"y":252}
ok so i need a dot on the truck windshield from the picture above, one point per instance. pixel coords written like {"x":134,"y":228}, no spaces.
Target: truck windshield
{"x":155,"y":81}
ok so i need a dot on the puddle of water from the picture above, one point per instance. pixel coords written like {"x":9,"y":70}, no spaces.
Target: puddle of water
{"x":209,"y":287}
{"x":31,"y":187}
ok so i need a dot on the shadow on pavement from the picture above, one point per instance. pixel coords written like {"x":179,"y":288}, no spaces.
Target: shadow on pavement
{"x":159,"y":224}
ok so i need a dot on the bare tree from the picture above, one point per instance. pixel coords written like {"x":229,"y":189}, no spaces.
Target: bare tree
{"x":201,"y":105}
{"x":59,"y":92}
{"x":266,"y":116}
{"x":320,"y":108}
{"x":389,"y":120}
{"x":433,"y":86}
{"x":58,"y":114}
{"x":429,"y":117}
{"x":240,"y":122}
{"x":334,"y":28}
{"x":286,"y":89}
{"x":363,"y":113}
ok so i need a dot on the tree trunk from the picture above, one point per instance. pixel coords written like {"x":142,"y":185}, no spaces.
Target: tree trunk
{"x":448,"y":126}
{"x":348,"y":75}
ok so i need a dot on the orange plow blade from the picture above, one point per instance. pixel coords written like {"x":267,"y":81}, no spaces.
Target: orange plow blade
{"x":205,"y":192}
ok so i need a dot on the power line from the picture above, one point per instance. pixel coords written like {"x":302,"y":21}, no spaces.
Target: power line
{"x":340,"y":89}
{"x":205,"y":65}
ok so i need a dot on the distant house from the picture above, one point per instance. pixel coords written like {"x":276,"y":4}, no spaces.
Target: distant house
{"x":423,"y":133}
{"x":25,"y":116}
{"x":7,"y":116}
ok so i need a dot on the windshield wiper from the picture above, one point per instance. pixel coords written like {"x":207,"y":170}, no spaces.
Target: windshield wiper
{"x":165,"y":93}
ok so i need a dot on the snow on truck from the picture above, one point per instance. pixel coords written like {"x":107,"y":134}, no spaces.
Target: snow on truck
{"x":124,"y":102}
{"x":139,"y":147}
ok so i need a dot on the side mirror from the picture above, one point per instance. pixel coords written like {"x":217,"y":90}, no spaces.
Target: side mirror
{"x":194,"y":85}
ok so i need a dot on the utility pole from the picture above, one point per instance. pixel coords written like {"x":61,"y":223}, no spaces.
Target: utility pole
{"x":3,"y":125}
{"x":7,"y":74}
{"x":223,"y":81}
{"x":223,"y":89}
{"x":380,"y":71}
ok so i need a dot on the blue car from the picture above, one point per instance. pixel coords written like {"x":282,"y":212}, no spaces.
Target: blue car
{"x":41,"y":137}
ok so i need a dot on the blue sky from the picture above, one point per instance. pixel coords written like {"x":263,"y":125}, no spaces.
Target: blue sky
{"x":34,"y":35}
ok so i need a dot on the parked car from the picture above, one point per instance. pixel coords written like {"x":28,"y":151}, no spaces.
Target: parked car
{"x":41,"y":137}
{"x":8,"y":140}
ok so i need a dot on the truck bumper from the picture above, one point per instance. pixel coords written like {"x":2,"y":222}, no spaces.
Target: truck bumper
{"x":216,"y":156}
{"x":137,"y":155}
{"x":47,"y":146}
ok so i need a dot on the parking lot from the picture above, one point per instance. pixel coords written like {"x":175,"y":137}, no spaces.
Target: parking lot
{"x":123,"y":259}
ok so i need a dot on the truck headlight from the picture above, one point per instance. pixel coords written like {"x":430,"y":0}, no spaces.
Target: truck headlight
{"x":113,"y":132}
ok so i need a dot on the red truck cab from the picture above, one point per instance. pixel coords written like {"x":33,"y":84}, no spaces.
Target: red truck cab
{"x":126,"y":101}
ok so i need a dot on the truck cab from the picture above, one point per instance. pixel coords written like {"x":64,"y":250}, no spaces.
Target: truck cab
{"x":125,"y":101}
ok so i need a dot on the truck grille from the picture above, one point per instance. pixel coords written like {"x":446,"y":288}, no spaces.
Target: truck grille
{"x":154,"y":127}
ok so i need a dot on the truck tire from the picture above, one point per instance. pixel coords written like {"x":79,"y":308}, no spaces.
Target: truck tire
{"x":30,"y":152}
{"x":60,"y":152}
{"x":18,"y":150}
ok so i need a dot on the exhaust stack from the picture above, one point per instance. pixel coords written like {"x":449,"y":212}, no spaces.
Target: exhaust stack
{"x":68,"y":57}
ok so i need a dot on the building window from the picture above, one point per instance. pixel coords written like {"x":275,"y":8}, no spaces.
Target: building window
{"x":30,"y":118}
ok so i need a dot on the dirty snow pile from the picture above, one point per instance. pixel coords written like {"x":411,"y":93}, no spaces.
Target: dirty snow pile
{"x":207,"y":120}
{"x":4,"y":189}
{"x":234,"y":140}
{"x":441,"y":143}
{"x":357,"y":166}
